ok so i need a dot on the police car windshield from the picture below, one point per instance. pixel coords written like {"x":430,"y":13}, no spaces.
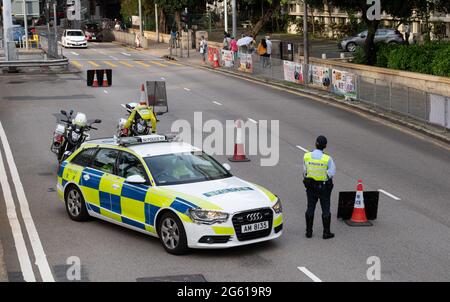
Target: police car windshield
{"x":182,"y":168}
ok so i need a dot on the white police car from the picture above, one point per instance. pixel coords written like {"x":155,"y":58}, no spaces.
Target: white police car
{"x":167,"y":189}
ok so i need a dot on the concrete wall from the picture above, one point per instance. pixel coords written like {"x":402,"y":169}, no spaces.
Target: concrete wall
{"x":423,"y":82}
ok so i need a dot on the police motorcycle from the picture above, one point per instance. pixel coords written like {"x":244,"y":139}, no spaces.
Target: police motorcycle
{"x":70,"y":134}
{"x":141,"y":120}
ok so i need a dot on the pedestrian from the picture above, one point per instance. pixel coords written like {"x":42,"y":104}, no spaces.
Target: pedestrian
{"x":234,"y":48}
{"x":203,"y":49}
{"x":226,"y":41}
{"x":173,"y":38}
{"x":319,"y":170}
{"x":269,"y":50}
{"x":262,"y":51}
{"x":407,"y":33}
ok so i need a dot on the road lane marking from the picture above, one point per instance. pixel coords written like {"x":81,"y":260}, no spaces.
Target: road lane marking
{"x":76,"y":63}
{"x":173,"y":63}
{"x":36,"y":244}
{"x":252,"y":120}
{"x":217,"y":103}
{"x":126,"y":54}
{"x":93,"y":64}
{"x":309,"y":274}
{"x":105,"y":91}
{"x":163,"y":78}
{"x":158,"y":63}
{"x":126,"y":64}
{"x":303,"y":149}
{"x":19,"y":241}
{"x":110,"y":64}
{"x":389,"y":194}
{"x":187,"y":89}
{"x":142,"y":64}
{"x":114,"y":58}
{"x":74,"y":53}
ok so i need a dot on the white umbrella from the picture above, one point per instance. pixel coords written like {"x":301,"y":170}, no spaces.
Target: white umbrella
{"x":244,"y":41}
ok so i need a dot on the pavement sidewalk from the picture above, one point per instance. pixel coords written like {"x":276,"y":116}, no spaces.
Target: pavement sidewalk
{"x":439,"y":133}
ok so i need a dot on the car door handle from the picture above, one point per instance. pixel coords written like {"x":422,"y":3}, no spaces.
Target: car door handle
{"x":86,"y":177}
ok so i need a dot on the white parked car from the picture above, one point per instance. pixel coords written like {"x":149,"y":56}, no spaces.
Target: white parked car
{"x":74,"y":38}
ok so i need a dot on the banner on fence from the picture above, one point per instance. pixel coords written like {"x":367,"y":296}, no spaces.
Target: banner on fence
{"x":293,"y":72}
{"x":245,"y":62}
{"x":227,"y":58}
{"x":211,"y":52}
{"x":320,"y":76}
{"x":344,"y":83}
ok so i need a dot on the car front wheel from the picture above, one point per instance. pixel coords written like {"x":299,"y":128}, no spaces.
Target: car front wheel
{"x":351,"y":47}
{"x":75,"y":205}
{"x":172,"y":234}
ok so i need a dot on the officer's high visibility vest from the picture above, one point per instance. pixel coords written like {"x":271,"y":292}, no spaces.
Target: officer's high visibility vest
{"x":316,"y":168}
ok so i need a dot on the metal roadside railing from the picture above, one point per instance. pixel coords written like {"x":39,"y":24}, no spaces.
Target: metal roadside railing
{"x":380,"y":94}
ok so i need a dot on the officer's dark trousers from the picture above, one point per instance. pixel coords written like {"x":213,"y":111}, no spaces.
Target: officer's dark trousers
{"x":319,"y":192}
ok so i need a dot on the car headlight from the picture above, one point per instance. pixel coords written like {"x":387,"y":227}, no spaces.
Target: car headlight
{"x":278,"y":208}
{"x":208,"y":217}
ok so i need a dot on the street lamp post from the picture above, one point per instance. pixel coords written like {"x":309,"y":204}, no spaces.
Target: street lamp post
{"x":157,"y":23}
{"x":25,"y":23}
{"x":305,"y":41}
{"x":7,"y":26}
{"x":233,"y":8}
{"x":225,"y":13}
{"x":141,"y":31}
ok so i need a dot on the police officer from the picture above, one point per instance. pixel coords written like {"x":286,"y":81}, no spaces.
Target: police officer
{"x":319,"y":170}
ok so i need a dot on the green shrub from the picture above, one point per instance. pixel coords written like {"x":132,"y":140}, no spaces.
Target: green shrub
{"x":398,"y":58}
{"x":359,"y":56}
{"x":383,"y":52}
{"x":440,"y":65}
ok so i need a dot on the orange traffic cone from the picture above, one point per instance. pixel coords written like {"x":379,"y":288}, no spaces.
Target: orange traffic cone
{"x":105,"y":79}
{"x":239,"y":149}
{"x":95,"y":83}
{"x":359,"y":212}
{"x":143,"y":99}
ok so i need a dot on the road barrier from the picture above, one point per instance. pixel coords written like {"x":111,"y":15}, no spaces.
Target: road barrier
{"x":35,"y":63}
{"x":96,"y":77}
{"x":419,"y":96}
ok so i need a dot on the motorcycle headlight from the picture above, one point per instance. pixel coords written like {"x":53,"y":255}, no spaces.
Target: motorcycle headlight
{"x":207,"y":217}
{"x":140,"y":128}
{"x":278,"y":208}
{"x":75,"y":136}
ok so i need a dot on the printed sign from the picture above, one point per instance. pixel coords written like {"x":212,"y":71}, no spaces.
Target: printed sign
{"x":344,"y":83}
{"x":227,"y":58}
{"x":320,"y":76}
{"x":245,"y":62}
{"x":293,"y":72}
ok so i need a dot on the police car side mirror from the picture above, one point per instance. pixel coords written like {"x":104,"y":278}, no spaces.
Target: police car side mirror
{"x":227,"y":166}
{"x":135,"y":179}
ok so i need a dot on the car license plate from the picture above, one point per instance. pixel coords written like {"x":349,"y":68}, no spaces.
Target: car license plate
{"x":94,"y":38}
{"x":254,"y":227}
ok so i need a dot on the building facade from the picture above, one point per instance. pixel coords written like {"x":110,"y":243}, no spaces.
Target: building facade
{"x":439,"y":22}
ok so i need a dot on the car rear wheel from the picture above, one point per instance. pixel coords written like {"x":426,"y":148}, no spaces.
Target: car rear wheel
{"x":75,"y":205}
{"x":351,"y":47}
{"x":172,"y":234}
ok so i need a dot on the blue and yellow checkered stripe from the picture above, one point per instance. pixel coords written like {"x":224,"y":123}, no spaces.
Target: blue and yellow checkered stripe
{"x":134,"y":205}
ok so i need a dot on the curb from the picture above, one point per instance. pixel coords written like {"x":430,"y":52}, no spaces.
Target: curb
{"x":3,"y":274}
{"x":357,"y":106}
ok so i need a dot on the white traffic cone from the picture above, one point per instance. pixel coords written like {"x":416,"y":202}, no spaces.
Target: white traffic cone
{"x":143,"y":99}
{"x":239,"y":148}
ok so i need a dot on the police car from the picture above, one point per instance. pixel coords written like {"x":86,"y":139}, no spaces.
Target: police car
{"x":167,"y":189}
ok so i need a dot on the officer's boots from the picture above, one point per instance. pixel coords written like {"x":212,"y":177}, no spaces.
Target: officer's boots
{"x":309,"y":225}
{"x":326,"y":220}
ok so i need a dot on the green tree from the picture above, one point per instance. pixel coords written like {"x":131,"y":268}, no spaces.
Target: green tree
{"x":397,"y":9}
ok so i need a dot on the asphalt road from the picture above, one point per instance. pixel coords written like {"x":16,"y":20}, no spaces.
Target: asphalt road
{"x":411,"y":236}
